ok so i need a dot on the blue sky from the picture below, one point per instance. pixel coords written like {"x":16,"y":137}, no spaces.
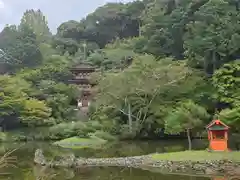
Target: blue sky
{"x":57,"y":11}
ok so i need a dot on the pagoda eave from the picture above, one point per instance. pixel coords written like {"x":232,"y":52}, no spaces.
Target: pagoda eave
{"x":86,"y":92}
{"x":79,"y":81}
{"x":82,"y":69}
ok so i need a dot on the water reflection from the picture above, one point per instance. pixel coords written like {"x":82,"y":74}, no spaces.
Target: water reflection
{"x":28,"y":171}
{"x":115,"y":173}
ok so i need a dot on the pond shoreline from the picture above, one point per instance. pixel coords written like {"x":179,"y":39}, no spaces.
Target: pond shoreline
{"x":203,"y":167}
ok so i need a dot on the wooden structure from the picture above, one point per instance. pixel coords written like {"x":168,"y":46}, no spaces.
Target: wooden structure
{"x":81,"y":75}
{"x":218,"y":136}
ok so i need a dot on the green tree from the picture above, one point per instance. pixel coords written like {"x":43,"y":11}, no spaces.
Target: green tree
{"x":35,"y":113}
{"x":59,"y":97}
{"x":8,"y":37}
{"x":227,"y":83}
{"x":65,"y":45}
{"x":71,"y":29}
{"x":38,"y":23}
{"x":15,"y":103}
{"x":231,"y":117}
{"x":112,"y":58}
{"x":21,"y":49}
{"x":186,"y":117}
{"x":142,"y":93}
{"x":212,"y":39}
{"x":111,"y":21}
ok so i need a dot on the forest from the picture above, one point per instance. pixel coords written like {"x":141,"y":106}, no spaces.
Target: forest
{"x":164,"y":67}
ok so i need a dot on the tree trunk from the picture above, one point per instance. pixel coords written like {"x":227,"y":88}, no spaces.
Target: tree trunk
{"x":189,"y":140}
{"x":139,"y":28}
{"x":214,"y":61}
{"x":129,"y":118}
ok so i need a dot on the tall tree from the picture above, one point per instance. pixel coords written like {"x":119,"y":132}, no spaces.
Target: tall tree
{"x":19,"y":48}
{"x":142,"y":93}
{"x":212,"y":38}
{"x":8,"y":38}
{"x":38,"y":23}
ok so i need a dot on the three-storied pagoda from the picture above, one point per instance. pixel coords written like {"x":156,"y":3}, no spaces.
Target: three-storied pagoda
{"x":81,"y":75}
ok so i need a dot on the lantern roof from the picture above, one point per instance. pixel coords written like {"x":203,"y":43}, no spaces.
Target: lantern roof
{"x":217,"y":125}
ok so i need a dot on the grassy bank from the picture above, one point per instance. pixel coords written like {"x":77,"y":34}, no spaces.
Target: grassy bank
{"x":197,"y":156}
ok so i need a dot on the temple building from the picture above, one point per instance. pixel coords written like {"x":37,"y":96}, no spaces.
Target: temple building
{"x":81,"y":74}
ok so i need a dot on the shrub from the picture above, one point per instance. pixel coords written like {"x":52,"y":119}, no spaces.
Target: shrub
{"x":104,"y":135}
{"x":66,"y":130}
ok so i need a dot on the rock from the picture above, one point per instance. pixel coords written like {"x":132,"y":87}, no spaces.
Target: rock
{"x":201,"y":167}
{"x":68,"y":161}
{"x":39,"y":157}
{"x":210,"y":171}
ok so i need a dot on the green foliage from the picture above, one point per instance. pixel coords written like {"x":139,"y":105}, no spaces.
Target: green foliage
{"x":66,"y":130}
{"x":48,"y":52}
{"x":213,"y":37}
{"x":35,"y":112}
{"x":36,"y":94}
{"x":15,"y":102}
{"x":21,"y":48}
{"x":187,"y":115}
{"x":231,"y":117}
{"x":112,"y":58}
{"x":142,"y":94}
{"x":103,"y":135}
{"x":65,"y":45}
{"x":48,"y":72}
{"x":77,"y":128}
{"x":227,"y":83}
{"x":38,"y":23}
{"x":163,"y":64}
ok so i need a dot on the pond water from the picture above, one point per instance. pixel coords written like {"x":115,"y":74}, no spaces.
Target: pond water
{"x":26,"y":170}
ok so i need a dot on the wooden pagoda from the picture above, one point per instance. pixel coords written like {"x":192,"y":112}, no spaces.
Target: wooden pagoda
{"x":218,"y":136}
{"x":81,"y":74}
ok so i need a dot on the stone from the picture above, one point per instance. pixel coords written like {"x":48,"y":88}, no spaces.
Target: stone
{"x":210,"y":171}
{"x":201,"y":167}
{"x":39,"y":157}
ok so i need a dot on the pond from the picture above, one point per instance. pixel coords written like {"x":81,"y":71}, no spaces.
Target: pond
{"x":26,"y":170}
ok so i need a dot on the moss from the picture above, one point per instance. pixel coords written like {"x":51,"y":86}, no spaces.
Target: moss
{"x":198,"y":156}
{"x":78,"y":143}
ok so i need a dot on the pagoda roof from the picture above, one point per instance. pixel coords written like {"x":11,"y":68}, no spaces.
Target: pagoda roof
{"x":82,"y":67}
{"x":81,"y":81}
{"x":212,"y":125}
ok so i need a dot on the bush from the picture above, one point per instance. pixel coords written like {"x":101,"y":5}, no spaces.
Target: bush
{"x":80,"y":129}
{"x":125,"y":134}
{"x":94,"y":124}
{"x":104,"y":135}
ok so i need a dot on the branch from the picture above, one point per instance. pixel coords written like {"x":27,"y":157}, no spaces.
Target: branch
{"x":155,"y":94}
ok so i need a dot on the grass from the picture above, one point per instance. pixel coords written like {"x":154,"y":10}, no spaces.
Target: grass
{"x":197,"y":156}
{"x":78,"y":143}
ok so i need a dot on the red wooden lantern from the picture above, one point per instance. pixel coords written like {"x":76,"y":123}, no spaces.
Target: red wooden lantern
{"x":218,"y":136}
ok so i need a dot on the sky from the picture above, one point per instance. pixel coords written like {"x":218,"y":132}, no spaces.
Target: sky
{"x":56,"y":11}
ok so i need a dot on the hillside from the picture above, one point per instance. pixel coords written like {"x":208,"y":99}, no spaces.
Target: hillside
{"x":165,"y":67}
